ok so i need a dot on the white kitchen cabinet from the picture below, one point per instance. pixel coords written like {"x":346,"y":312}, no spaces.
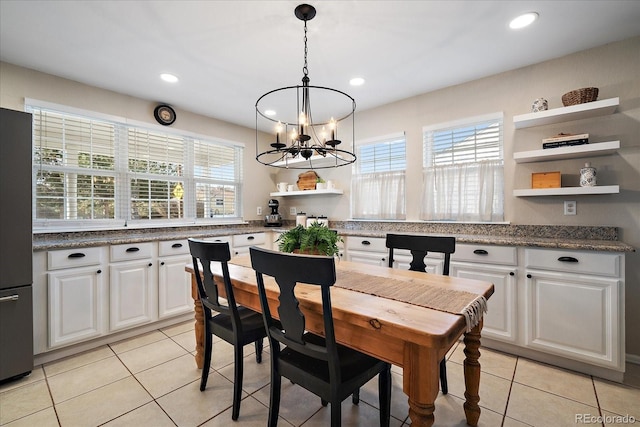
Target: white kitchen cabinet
{"x":574,"y":305}
{"x":76,"y":286}
{"x":498,"y":265}
{"x":242,"y":242}
{"x":174,"y":283}
{"x":367,"y":250}
{"x":132,"y":288}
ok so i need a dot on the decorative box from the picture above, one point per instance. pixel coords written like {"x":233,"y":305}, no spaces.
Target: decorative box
{"x":546,"y":180}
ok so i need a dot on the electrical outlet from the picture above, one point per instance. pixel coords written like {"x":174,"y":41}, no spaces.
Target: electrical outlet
{"x":259,"y":210}
{"x":570,"y":207}
{"x":292,"y":210}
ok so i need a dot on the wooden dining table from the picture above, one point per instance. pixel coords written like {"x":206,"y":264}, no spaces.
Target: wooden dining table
{"x":413,"y":337}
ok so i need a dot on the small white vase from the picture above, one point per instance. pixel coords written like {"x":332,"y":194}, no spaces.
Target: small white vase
{"x":539,"y":104}
{"x":588,"y":176}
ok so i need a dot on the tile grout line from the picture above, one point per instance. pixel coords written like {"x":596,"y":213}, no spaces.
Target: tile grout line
{"x":595,"y":392}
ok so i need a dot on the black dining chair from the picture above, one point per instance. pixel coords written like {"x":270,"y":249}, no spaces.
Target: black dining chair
{"x":329,"y":370}
{"x":235,"y":324}
{"x":419,"y":247}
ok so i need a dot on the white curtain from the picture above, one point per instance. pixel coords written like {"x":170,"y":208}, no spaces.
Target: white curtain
{"x":378,"y":195}
{"x":464,"y":192}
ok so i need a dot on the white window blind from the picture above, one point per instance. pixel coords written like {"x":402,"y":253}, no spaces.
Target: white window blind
{"x":217,"y":172}
{"x":74,"y":167}
{"x":378,"y":181}
{"x":463,"y":176}
{"x":91,"y":168}
{"x":156,"y":167}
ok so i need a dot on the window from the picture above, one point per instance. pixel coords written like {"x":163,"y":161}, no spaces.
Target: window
{"x":378,"y":182}
{"x":463,"y":175}
{"x":91,"y":168}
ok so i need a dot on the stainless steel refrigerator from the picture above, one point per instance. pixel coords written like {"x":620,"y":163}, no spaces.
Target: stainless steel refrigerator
{"x":16,"y":264}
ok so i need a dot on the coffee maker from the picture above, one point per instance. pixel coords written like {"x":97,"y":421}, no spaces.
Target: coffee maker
{"x":274,"y":219}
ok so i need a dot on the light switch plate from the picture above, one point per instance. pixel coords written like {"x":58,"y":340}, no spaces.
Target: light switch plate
{"x":259,"y":210}
{"x":292,"y":210}
{"x":570,"y":207}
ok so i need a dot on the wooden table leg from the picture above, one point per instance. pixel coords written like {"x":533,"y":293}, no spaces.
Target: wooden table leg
{"x":472,"y":375}
{"x":199,"y":323}
{"x":421,"y":383}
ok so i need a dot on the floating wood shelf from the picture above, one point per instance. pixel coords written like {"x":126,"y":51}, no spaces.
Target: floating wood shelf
{"x":566,"y":114}
{"x":573,"y":152}
{"x":306,"y":193}
{"x":567,"y":191}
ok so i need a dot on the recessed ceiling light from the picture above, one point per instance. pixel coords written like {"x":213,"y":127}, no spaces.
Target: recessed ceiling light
{"x":170,"y":78}
{"x":356,"y":81}
{"x":523,"y":20}
{"x":270,"y":112}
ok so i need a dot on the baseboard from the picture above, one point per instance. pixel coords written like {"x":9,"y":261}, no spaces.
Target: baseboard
{"x":50,"y":356}
{"x":633,"y":358}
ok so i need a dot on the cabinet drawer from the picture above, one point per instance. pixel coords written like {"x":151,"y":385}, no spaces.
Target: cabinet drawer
{"x":370,"y":244}
{"x":486,"y":254}
{"x":131,"y":251}
{"x":598,"y":263}
{"x":68,"y":258}
{"x":173,"y":247}
{"x":219,"y":239}
{"x":248,"y":239}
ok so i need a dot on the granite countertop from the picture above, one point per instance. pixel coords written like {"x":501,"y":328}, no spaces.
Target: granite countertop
{"x":560,"y":237}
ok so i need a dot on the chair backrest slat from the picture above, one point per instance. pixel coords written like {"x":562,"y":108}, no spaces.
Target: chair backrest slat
{"x":420,"y":246}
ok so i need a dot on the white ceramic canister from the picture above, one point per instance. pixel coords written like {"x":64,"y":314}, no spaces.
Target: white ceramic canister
{"x":588,"y":176}
{"x":310,"y":220}
{"x":539,"y":104}
{"x":323,"y":220}
{"x":301,"y":219}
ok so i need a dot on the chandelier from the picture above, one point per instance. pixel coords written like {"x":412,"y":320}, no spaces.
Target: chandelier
{"x":306,"y":137}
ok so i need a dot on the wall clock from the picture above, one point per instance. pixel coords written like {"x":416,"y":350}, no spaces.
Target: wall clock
{"x":164,"y":114}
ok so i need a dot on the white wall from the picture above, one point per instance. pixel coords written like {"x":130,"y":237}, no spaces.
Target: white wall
{"x":614,"y":68}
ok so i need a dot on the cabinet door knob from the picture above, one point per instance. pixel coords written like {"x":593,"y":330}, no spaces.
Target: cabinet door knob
{"x":162,"y":263}
{"x":133,"y":249}
{"x":480,"y":252}
{"x":150,"y":264}
{"x":528,"y":276}
{"x":511,"y":273}
{"x":567,"y":259}
{"x":99,"y":271}
{"x":176,"y":245}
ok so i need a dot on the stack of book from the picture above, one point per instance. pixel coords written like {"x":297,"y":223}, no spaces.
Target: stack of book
{"x":565,"y":140}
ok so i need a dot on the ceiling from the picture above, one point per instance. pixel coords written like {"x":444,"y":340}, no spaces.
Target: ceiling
{"x":228,"y":53}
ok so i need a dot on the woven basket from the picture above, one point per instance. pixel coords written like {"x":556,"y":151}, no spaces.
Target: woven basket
{"x":580,"y":96}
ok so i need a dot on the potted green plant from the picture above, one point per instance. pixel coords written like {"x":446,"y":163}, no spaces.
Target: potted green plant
{"x":321,"y":184}
{"x":317,"y":239}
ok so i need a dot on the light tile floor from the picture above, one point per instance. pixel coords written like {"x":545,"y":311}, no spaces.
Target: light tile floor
{"x":152,"y":380}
